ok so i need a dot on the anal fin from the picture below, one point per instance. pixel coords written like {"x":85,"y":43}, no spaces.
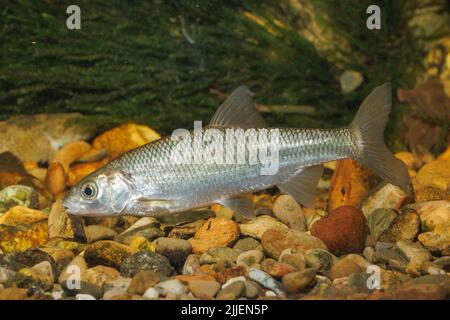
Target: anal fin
{"x":242,"y":207}
{"x":302,"y":186}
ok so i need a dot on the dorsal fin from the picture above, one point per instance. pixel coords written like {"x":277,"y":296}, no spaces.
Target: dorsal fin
{"x":302,"y":186}
{"x":238,"y":110}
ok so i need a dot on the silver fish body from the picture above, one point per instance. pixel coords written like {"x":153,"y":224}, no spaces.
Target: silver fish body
{"x":151,"y":180}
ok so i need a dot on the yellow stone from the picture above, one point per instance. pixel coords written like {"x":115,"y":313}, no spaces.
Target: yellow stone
{"x":141,"y":243}
{"x":22,"y":215}
{"x":435,"y":174}
{"x":21,"y":238}
{"x":445,"y":155}
{"x":124,"y":138}
{"x":216,"y":232}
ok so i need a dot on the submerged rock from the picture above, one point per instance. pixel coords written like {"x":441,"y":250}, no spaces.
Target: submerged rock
{"x":259,"y":225}
{"x":388,"y":196}
{"x":216,"y":232}
{"x":18,"y":195}
{"x":107,"y":253}
{"x":176,"y":250}
{"x":277,"y":239}
{"x":296,"y":282}
{"x":144,"y":260}
{"x":288,"y":211}
{"x":343,"y":230}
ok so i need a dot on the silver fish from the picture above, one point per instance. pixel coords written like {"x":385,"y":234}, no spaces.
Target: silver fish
{"x":147,"y":181}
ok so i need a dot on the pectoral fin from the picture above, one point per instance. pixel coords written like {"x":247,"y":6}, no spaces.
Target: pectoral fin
{"x":302,"y":186}
{"x":238,"y":110}
{"x":242,"y":207}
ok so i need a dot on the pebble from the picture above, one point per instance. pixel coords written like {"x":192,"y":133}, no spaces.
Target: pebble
{"x":40,"y":275}
{"x":219,"y":254}
{"x":343,"y":230}
{"x":288,"y":211}
{"x":264,"y":279}
{"x":247,"y":244}
{"x":432,"y":213}
{"x":107,"y":253}
{"x":142,"y":281}
{"x":151,"y":293}
{"x":350,"y":80}
{"x":232,"y":292}
{"x":276,"y":269}
{"x":59,"y":223}
{"x":83,"y":288}
{"x":277,"y":239}
{"x":343,"y":268}
{"x":294,"y":258}
{"x":204,"y":289}
{"x":392,"y":258}
{"x":415,"y":253}
{"x":81,"y":296}
{"x":443,"y":262}
{"x":320,"y":259}
{"x":98,"y":275}
{"x":258,"y":226}
{"x":109,"y":294}
{"x":172,"y":286}
{"x":187,"y":230}
{"x":296,"y":282}
{"x":232,"y":280}
{"x":232,"y":272}
{"x":77,"y":266}
{"x":388,"y":196}
{"x":18,"y":239}
{"x":405,"y":226}
{"x":13,"y":294}
{"x":6,"y":275}
{"x":176,"y":250}
{"x":435,"y":174}
{"x":250,"y":258}
{"x":216,"y":232}
{"x":98,"y":232}
{"x":379,"y":221}
{"x":119,"y":284}
{"x":252,"y":289}
{"x":144,"y":260}
{"x":350,"y":184}
{"x":191,"y":265}
{"x":437,"y":240}
{"x":19,"y":215}
{"x":18,"y":195}
{"x":123,"y":138}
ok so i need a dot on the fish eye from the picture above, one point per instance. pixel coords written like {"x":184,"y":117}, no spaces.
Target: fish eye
{"x":89,"y":190}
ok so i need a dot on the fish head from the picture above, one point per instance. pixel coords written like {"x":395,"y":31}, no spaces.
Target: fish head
{"x":102,"y":193}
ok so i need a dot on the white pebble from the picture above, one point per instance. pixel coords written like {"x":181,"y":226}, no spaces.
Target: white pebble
{"x":270,"y":294}
{"x":265,"y":280}
{"x":151,"y":293}
{"x":173,"y":286}
{"x":57,"y":294}
{"x":82,"y":296}
{"x":232,"y":280}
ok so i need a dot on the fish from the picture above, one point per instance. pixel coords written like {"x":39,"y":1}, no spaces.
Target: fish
{"x":152,"y":181}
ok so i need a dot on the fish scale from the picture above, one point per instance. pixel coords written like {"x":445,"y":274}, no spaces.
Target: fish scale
{"x":153,"y":170}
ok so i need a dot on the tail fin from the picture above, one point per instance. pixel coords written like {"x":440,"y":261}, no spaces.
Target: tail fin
{"x":368,"y":127}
